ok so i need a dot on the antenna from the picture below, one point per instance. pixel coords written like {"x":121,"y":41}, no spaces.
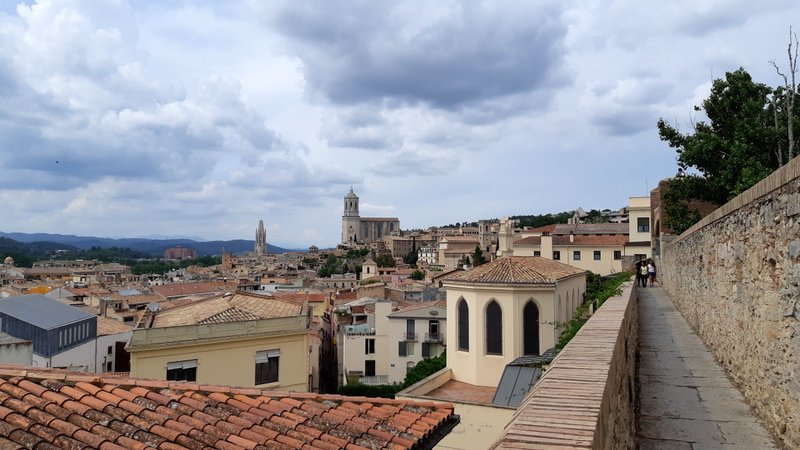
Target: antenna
{"x":153,"y":306}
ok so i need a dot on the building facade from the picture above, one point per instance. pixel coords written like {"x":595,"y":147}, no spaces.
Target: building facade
{"x":505,"y":309}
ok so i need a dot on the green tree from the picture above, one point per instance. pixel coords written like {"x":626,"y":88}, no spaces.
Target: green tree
{"x":385,"y":260}
{"x":417,"y":275}
{"x":477,"y":256}
{"x":733,"y":150}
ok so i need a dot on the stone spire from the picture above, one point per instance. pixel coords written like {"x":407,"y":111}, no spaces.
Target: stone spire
{"x":261,"y":239}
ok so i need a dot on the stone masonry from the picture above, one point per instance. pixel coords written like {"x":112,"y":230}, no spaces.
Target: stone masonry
{"x":735,"y":277}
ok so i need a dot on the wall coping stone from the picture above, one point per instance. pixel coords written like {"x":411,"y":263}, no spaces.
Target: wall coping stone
{"x":570,"y":406}
{"x":782,"y":176}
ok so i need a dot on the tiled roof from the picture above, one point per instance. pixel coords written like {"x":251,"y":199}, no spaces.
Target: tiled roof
{"x":227,"y":308}
{"x":106,"y":326}
{"x":8,"y":339}
{"x":51,"y":409}
{"x":591,"y":228}
{"x":295,"y":297}
{"x":516,"y":270}
{"x":171,"y":290}
{"x":530,"y":240}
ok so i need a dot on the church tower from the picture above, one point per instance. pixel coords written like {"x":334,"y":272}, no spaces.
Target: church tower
{"x":261,"y":239}
{"x":350,"y":219}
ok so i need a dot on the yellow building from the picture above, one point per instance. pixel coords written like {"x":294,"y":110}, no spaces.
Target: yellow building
{"x":603,"y":248}
{"x":505,"y":309}
{"x":239,"y":339}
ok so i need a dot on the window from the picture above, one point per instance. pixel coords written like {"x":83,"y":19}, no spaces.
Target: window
{"x":109,"y":366}
{"x":617,"y":254}
{"x":556,"y":255}
{"x":463,"y":325}
{"x":537,"y":253}
{"x":576,"y":255}
{"x":182,"y":370}
{"x":405,"y":348}
{"x":530,"y":325}
{"x":597,"y":255}
{"x":643,"y":224}
{"x":267,"y":364}
{"x":369,"y":346}
{"x":426,"y":350}
{"x":494,"y":329}
{"x":109,"y":350}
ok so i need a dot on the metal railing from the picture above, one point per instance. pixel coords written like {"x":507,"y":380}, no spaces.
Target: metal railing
{"x":374,"y":379}
{"x":434,"y":337}
{"x":409,"y":336}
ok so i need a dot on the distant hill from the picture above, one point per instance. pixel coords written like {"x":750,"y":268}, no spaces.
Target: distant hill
{"x":154,"y":247}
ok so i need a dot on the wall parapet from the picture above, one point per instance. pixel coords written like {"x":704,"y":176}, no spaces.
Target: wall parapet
{"x":586,"y":397}
{"x":735,"y":277}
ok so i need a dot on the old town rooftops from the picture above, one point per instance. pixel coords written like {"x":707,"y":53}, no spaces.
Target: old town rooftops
{"x":235,"y":307}
{"x":516,"y":270}
{"x":46,"y":408}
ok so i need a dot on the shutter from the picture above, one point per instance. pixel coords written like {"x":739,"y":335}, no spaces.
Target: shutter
{"x":401,"y":349}
{"x":426,"y":350}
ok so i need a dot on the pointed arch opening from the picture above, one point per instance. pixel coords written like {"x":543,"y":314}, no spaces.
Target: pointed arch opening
{"x":494,"y":329}
{"x":463,"y":325}
{"x":530,"y":328}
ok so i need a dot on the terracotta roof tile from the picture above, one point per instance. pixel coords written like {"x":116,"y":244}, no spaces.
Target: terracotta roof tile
{"x":518,"y":270}
{"x":50,"y":410}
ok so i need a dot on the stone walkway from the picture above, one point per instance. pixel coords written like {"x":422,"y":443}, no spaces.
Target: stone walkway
{"x":687,"y":403}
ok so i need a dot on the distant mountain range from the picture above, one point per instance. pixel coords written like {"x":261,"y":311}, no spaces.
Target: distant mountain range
{"x":154,"y":247}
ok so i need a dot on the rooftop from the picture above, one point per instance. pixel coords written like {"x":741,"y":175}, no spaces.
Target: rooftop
{"x":41,"y":311}
{"x":235,"y":307}
{"x":517,"y":270}
{"x":69,"y":410}
{"x":458,"y":391}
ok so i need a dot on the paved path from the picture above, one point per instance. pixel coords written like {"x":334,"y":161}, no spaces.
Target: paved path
{"x":687,"y":403}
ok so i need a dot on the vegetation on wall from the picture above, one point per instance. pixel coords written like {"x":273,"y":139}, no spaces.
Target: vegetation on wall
{"x":598,"y":290}
{"x":162,"y":266}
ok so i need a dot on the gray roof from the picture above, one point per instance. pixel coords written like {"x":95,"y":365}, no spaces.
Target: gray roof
{"x":41,"y":311}
{"x":8,"y":339}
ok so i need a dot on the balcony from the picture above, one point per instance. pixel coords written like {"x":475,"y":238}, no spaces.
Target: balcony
{"x":434,"y":337}
{"x":374,"y":379}
{"x":409,"y":336}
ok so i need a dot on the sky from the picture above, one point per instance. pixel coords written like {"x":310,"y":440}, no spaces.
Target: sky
{"x":200,"y":118}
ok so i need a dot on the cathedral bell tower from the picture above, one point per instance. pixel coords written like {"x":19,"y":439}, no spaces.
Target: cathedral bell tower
{"x":350,"y":219}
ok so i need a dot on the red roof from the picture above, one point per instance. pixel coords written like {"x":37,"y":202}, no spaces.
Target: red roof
{"x":172,"y":290}
{"x":46,"y":408}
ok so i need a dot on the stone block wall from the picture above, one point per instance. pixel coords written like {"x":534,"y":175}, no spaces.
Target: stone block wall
{"x":735,"y":277}
{"x":587,"y":396}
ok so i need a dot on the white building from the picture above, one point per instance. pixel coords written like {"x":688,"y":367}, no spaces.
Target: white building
{"x":380,"y":346}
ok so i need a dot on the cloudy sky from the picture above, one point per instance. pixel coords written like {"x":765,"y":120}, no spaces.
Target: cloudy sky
{"x":180,"y":118}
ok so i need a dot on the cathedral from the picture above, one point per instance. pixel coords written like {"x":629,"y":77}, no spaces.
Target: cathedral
{"x":363,"y":230}
{"x":261,"y":239}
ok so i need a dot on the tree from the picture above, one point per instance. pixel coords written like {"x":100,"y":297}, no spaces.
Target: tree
{"x":733,"y":150}
{"x":477,"y":256}
{"x":790,"y":86}
{"x":417,"y":275}
{"x":385,"y":261}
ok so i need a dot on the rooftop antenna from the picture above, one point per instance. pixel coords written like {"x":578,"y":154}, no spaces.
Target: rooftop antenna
{"x":153,"y":306}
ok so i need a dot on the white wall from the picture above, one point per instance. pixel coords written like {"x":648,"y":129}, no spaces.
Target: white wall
{"x":17,"y":353}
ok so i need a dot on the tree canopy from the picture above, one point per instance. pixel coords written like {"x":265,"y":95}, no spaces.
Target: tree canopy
{"x":742,"y":140}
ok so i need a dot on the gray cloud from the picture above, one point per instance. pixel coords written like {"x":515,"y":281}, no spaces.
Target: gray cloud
{"x":461,"y":55}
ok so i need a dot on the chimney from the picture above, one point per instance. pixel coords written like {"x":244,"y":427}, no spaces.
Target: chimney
{"x":103,"y":307}
{"x":571,"y":237}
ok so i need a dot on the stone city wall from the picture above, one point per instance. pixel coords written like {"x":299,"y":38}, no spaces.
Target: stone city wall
{"x":587,"y":396}
{"x":734,"y":276}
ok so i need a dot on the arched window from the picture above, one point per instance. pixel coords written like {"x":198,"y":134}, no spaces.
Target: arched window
{"x":463,"y":325}
{"x":494,"y":329}
{"x":530,"y":329}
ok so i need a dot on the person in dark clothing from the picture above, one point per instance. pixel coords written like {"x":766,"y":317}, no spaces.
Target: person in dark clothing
{"x":637,"y":266}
